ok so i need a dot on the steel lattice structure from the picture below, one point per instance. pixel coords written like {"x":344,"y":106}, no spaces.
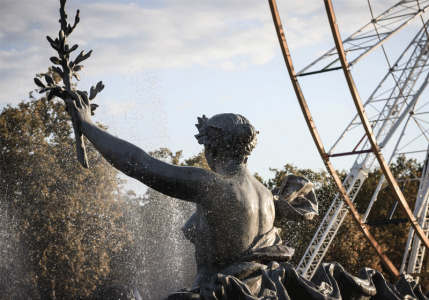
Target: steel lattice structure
{"x":391,"y":103}
{"x":365,"y":40}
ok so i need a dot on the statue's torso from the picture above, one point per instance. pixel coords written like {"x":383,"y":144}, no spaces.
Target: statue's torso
{"x":227,"y":227}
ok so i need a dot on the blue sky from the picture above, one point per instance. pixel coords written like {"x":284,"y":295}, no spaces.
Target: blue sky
{"x":165,"y":63}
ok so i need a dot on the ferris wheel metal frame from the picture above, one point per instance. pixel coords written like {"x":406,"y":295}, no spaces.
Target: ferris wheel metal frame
{"x":399,"y":106}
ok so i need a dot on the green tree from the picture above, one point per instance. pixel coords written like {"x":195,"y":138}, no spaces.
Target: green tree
{"x":68,"y":218}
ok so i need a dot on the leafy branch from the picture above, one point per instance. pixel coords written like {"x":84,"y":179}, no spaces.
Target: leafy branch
{"x":67,"y":70}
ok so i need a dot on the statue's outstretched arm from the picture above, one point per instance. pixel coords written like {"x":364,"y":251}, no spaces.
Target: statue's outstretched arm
{"x":186,"y":183}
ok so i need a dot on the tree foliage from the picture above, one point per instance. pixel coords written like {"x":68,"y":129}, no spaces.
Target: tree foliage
{"x":199,"y":160}
{"x":68,"y":218}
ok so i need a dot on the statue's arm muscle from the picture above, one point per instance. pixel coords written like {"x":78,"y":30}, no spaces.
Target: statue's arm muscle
{"x":186,"y":183}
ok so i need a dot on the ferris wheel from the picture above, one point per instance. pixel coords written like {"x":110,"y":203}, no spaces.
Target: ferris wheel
{"x":395,"y":114}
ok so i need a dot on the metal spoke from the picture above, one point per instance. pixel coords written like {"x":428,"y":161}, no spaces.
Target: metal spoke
{"x":421,"y":129}
{"x":422,"y":106}
{"x":413,"y":140}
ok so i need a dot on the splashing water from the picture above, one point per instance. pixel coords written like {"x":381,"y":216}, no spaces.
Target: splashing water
{"x":163,"y":259}
{"x":15,"y":282}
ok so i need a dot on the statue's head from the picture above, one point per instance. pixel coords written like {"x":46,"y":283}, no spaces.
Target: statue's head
{"x":228,"y":136}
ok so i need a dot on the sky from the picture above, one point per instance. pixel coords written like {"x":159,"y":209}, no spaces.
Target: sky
{"x":165,"y":63}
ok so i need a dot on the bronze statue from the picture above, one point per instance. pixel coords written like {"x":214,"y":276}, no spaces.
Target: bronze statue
{"x":232,"y":226}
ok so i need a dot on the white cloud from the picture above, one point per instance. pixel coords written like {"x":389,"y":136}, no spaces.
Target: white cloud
{"x":218,"y":34}
{"x":227,"y":65}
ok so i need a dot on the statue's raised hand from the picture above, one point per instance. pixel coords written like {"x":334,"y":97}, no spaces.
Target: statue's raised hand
{"x":79,"y":108}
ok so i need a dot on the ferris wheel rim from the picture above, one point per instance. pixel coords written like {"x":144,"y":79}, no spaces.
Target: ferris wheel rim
{"x":317,"y":140}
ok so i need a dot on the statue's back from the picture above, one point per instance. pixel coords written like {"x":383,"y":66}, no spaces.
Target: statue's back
{"x":230,"y":222}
